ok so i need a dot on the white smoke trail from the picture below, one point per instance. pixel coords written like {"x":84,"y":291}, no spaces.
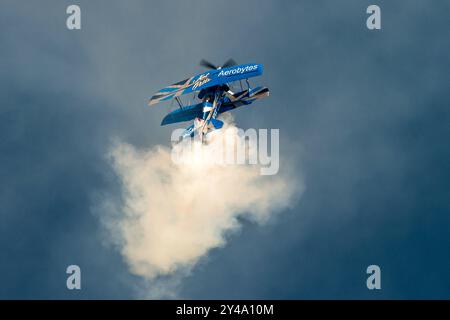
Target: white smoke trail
{"x":174,"y":213}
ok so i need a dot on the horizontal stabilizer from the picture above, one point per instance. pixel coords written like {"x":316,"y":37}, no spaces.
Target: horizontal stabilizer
{"x":217,"y":123}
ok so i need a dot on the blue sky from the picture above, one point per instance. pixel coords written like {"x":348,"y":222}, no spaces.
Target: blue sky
{"x":365,"y":113}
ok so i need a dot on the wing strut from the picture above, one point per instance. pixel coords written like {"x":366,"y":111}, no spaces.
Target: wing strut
{"x":179,"y":102}
{"x":248,"y":84}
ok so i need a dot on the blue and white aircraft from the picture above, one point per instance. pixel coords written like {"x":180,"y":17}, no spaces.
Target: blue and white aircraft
{"x":214,"y":93}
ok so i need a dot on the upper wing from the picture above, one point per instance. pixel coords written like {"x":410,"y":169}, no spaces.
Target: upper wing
{"x":170,"y":92}
{"x":206,"y":80}
{"x":195,"y":83}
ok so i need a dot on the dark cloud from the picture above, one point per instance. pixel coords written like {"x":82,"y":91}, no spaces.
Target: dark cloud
{"x":365,"y":111}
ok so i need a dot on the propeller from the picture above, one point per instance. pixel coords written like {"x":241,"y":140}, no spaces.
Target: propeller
{"x":229,"y":63}
{"x":209,"y":65}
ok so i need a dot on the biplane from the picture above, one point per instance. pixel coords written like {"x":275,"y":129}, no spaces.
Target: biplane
{"x":213,"y":91}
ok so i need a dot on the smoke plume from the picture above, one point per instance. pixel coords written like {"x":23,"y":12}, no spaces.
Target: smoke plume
{"x":173,"y":213}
